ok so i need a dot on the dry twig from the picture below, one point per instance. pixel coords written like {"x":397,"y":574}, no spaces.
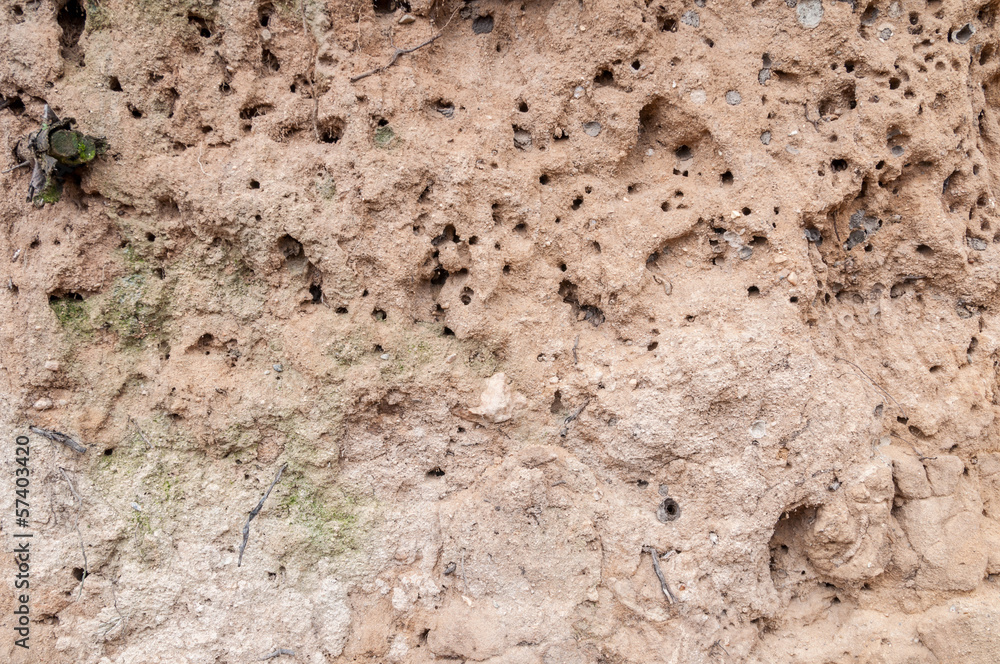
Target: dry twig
{"x":572,"y":416}
{"x":403,"y":51}
{"x":880,"y":388}
{"x":141,"y":434}
{"x":278,"y":653}
{"x":255,"y":512}
{"x":659,"y":573}
{"x":59,"y":438}
{"x":312,"y":70}
{"x":76,"y":526}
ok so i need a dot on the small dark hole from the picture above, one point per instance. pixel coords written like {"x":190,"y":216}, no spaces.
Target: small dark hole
{"x":924,"y":250}
{"x":108,"y":452}
{"x":543,"y":179}
{"x":577,"y":202}
{"x":254,"y":184}
{"x":150,"y":237}
{"x":79,"y":574}
{"x":378,"y":314}
{"x":341,"y":310}
{"x":727,"y":179}
{"x":435,"y":472}
{"x":447,"y":332}
{"x":523,"y":106}
{"x":839,"y":164}
{"x":753,"y":291}
{"x":669,"y":510}
{"x":506,"y":269}
{"x":114,"y":84}
{"x":793,"y":299}
{"x":636,"y":65}
{"x":652,"y":345}
{"x":604,"y":77}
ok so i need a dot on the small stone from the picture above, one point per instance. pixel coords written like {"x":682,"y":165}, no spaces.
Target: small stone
{"x":976,"y":243}
{"x":384,"y":356}
{"x":578,"y":92}
{"x":691,"y":18}
{"x":897,"y":150}
{"x":745,"y":253}
{"x":592,"y":129}
{"x":733,"y":98}
{"x":522,"y":139}
{"x":793,"y":278}
{"x":482,"y":25}
{"x":136,"y":507}
{"x":406,"y":19}
{"x":759,"y":429}
{"x":450,"y":358}
{"x":698,"y":96}
{"x":265,"y":34}
{"x":809,"y":12}
{"x":51,"y":365}
{"x":43,"y":404}
{"x":885,"y":34}
{"x":278,"y":368}
{"x":765,"y":138}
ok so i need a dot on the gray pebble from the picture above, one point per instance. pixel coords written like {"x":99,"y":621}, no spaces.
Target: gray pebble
{"x":278,"y":368}
{"x":765,"y":138}
{"x":976,"y":243}
{"x":733,"y":98}
{"x":691,"y":18}
{"x":809,"y":12}
{"x":592,"y":128}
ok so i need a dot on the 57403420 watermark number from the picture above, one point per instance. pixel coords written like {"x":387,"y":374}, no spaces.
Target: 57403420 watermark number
{"x":22,"y":541}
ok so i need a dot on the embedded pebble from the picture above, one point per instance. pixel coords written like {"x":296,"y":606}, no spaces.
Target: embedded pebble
{"x":43,"y":404}
{"x":733,"y":98}
{"x":592,"y":128}
{"x":809,"y":12}
{"x":51,"y":365}
{"x":278,"y":368}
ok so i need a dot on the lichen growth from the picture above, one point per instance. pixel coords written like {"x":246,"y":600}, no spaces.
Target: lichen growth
{"x":73,"y":315}
{"x":327,"y":519}
{"x":384,"y":136}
